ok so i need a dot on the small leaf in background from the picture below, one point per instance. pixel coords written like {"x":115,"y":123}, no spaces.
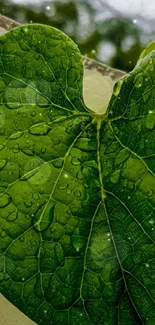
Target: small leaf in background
{"x":97,"y":90}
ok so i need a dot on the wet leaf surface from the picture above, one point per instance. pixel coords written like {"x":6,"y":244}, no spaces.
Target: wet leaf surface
{"x":77,"y":189}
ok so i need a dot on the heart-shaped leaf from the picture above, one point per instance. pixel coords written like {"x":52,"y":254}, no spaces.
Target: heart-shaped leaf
{"x":77,"y":189}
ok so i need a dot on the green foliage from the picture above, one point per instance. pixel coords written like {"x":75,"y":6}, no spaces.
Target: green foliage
{"x":77,"y":189}
{"x":81,"y":21}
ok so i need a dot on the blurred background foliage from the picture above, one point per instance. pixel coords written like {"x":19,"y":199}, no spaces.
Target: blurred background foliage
{"x":100,"y":34}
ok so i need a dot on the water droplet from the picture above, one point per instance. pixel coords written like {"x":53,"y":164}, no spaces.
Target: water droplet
{"x":117,"y":87}
{"x":3,"y":234}
{"x":23,"y":279}
{"x":36,"y":196}
{"x":79,"y":176}
{"x":16,"y":148}
{"x":39,"y":129}
{"x":63,"y":186}
{"x":33,"y":242}
{"x":28,"y":152}
{"x":16,"y":135}
{"x":135,"y":21}
{"x":151,"y":221}
{"x":28,"y":203}
{"x":68,"y":192}
{"x":78,"y":193}
{"x":75,"y":161}
{"x":4,"y":200}
{"x":2,"y":163}
{"x":12,"y":217}
{"x":77,"y":242}
{"x":48,"y":8}
{"x":138,"y":80}
{"x":147,"y":265}
{"x":33,"y":113}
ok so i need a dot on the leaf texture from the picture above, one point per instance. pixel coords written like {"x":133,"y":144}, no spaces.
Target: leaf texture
{"x":77,"y":189}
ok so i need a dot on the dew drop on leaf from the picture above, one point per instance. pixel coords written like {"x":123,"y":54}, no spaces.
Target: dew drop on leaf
{"x":63,"y":186}
{"x":75,"y":161}
{"x":33,"y":113}
{"x":16,"y":135}
{"x":78,"y":193}
{"x":12,"y":217}
{"x":117,"y":87}
{"x":33,"y":242}
{"x":36,"y":196}
{"x":138,"y":80}
{"x":3,"y":234}
{"x":68,"y":192}
{"x":4,"y":200}
{"x":77,"y":242}
{"x":39,"y":129}
{"x":79,"y":176}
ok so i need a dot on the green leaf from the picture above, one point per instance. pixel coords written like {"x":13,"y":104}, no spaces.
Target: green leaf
{"x":147,"y":50}
{"x":77,"y":189}
{"x":97,"y":90}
